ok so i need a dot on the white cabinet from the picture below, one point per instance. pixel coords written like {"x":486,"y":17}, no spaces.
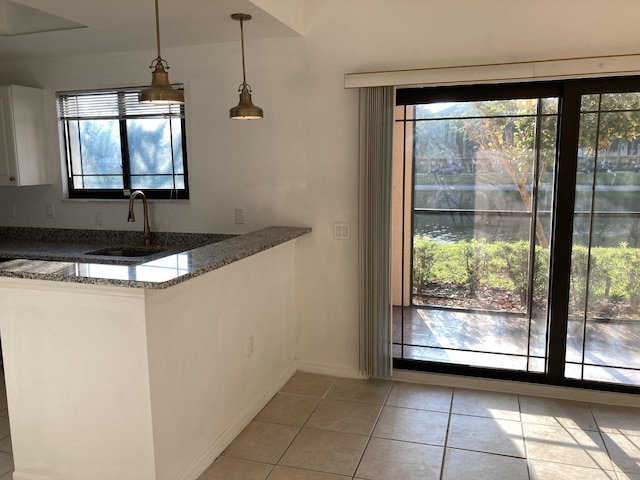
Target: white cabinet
{"x":22,"y":136}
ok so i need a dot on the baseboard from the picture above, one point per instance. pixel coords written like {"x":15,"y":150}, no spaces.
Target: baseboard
{"x":522,"y":388}
{"x":26,"y":476}
{"x":239,"y":423}
{"x":329,"y":370}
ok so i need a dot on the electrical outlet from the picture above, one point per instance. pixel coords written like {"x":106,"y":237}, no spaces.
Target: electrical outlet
{"x":12,"y":211}
{"x":48,"y":210}
{"x":99,"y":219}
{"x":239,"y":215}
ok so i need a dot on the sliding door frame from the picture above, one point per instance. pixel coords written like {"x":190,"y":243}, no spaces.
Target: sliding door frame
{"x":569,"y":93}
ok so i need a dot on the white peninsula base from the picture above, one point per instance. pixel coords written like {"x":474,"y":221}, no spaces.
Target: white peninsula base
{"x":124,"y":383}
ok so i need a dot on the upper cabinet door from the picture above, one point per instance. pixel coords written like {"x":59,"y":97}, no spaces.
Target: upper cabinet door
{"x":22,"y":137}
{"x":8,"y":166}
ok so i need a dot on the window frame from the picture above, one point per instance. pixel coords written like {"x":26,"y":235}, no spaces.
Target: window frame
{"x":122,"y":117}
{"x":569,"y":92}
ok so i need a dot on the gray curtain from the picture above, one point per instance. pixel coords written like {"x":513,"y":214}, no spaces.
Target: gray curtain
{"x":376,"y":150}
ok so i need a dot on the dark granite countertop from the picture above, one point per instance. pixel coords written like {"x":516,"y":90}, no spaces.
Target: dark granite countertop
{"x":61,"y":255}
{"x":60,"y":244}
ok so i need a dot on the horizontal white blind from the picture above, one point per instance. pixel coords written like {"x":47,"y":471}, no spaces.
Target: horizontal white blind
{"x":112,"y":104}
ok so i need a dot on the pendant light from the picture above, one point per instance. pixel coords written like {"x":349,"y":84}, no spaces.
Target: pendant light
{"x":160,"y":90}
{"x":245,"y":110}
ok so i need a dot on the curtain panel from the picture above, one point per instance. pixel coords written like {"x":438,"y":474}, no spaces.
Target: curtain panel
{"x":376,"y":151}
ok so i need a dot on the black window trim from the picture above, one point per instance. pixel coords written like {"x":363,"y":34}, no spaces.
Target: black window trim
{"x":125,"y":192}
{"x":569,"y":92}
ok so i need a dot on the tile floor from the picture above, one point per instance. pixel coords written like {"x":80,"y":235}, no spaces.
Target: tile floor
{"x":324,"y":428}
{"x":6,"y":455}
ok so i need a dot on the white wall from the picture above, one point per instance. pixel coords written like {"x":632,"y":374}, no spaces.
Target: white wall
{"x":298,"y":166}
{"x":206,"y":382}
{"x":256,"y":165}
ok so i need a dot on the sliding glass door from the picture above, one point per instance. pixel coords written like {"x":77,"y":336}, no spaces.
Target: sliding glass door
{"x":479,"y":217}
{"x":603,"y":339}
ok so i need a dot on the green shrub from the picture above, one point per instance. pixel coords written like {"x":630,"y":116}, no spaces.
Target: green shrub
{"x":424,"y":257}
{"x":476,"y":263}
{"x":614,"y":272}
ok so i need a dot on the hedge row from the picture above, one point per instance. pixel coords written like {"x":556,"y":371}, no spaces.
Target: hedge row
{"x":614,"y":272}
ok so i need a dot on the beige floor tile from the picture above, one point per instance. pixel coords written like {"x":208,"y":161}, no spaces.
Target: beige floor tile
{"x":554,"y":412}
{"x":463,"y":464}
{"x":4,"y":427}
{"x":325,"y":451}
{"x":365,"y":391}
{"x":624,"y":420}
{"x":390,"y":459}
{"x":422,"y":397}
{"x":486,"y":404}
{"x":347,"y":417}
{"x":582,"y":448}
{"x":488,"y":435}
{"x":6,"y":463}
{"x":262,"y":442}
{"x":624,"y":451}
{"x":227,"y":468}
{"x":288,"y":473}
{"x":556,"y":471}
{"x":621,"y":476}
{"x":5,"y":444}
{"x":303,"y":383}
{"x":288,"y":409}
{"x":410,"y":425}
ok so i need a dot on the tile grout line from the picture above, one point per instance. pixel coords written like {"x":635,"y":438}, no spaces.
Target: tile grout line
{"x":375,"y":424}
{"x":446,"y":436}
{"x":323,"y":397}
{"x":524,"y":439}
{"x":604,"y":444}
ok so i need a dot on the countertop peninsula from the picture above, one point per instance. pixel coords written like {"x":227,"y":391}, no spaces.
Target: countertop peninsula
{"x":168,"y":368}
{"x":61,"y":261}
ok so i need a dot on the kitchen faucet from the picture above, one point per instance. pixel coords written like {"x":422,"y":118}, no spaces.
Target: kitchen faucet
{"x":132,"y":217}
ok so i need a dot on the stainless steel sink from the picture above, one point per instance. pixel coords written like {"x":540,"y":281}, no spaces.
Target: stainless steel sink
{"x":127,"y":251}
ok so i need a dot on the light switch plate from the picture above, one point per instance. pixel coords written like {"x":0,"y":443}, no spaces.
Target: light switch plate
{"x":341,"y":231}
{"x":238,"y":214}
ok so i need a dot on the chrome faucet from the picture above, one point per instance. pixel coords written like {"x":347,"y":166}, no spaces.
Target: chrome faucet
{"x":132,"y":217}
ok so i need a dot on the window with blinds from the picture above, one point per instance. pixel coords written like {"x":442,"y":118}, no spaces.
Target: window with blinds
{"x":114,"y":145}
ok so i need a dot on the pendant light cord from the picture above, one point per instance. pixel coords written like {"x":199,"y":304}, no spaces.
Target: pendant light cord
{"x":244,"y":77}
{"x":158,"y":30}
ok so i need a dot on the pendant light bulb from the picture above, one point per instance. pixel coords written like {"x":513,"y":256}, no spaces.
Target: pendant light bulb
{"x":245,"y":110}
{"x":160,"y":91}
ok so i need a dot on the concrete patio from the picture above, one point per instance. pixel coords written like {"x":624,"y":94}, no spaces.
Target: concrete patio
{"x":611,"y":349}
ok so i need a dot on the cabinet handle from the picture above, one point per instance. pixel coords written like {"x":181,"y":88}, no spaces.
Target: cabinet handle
{"x":12,"y":179}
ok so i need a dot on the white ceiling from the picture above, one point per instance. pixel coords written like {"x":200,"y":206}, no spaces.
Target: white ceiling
{"x":123,"y":25}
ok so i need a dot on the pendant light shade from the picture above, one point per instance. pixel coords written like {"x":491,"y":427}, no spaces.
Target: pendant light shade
{"x":245,"y":110}
{"x":160,"y":90}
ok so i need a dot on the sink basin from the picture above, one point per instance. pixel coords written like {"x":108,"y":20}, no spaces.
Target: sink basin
{"x":127,"y":251}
